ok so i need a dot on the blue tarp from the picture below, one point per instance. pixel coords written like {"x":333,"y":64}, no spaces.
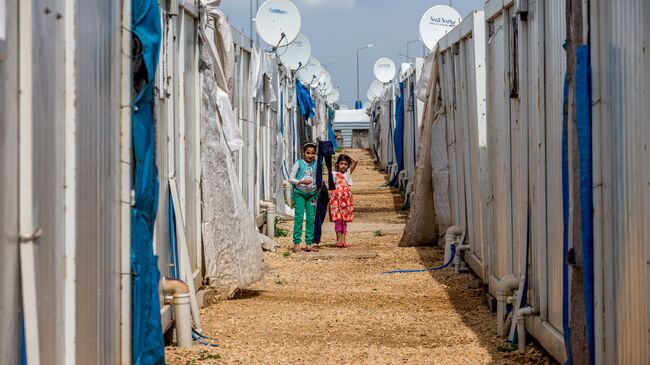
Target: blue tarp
{"x":399,"y":132}
{"x":305,"y":102}
{"x":148,"y":344}
{"x":583,"y":124}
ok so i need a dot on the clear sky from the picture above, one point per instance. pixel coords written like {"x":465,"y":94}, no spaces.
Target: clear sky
{"x":336,"y":28}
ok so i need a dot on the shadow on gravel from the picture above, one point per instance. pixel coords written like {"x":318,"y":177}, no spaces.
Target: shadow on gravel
{"x":243,"y":294}
{"x":471,"y":305}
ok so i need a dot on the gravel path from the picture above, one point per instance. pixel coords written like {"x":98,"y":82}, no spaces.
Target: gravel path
{"x":340,"y":309}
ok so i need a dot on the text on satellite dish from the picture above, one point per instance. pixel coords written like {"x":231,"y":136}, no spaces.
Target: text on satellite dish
{"x":278,"y":11}
{"x":442,"y":21}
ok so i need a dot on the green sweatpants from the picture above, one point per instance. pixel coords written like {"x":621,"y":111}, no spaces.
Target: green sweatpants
{"x":304,"y":202}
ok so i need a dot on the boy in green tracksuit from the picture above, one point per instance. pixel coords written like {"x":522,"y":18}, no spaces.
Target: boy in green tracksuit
{"x":303,"y":178}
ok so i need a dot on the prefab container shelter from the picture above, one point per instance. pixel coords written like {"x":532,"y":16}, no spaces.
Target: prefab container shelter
{"x":501,"y":80}
{"x":411,"y":125}
{"x":618,"y":37}
{"x":462,"y":79}
{"x":547,"y":101}
{"x":72,"y":167}
{"x":525,"y":79}
{"x":62,"y":195}
{"x":383,"y":128}
{"x":347,"y":121}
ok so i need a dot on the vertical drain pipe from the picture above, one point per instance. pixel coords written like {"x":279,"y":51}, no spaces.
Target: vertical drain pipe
{"x":451,"y":236}
{"x":505,"y":287}
{"x":28,"y":233}
{"x":269,"y":207}
{"x":182,"y":314}
{"x":520,"y":318}
{"x":288,"y":189}
{"x":125,"y":185}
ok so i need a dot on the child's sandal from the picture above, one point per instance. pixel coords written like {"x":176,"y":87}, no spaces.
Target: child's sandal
{"x":296,"y":250}
{"x":313,"y":248}
{"x":340,"y":244}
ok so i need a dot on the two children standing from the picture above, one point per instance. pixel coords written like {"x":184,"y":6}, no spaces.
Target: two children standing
{"x":305,"y":194}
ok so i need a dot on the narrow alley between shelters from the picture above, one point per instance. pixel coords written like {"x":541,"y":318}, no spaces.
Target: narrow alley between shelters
{"x":336,"y":306}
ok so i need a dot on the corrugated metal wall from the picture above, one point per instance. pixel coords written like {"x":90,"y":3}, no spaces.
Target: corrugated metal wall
{"x":621,"y":85}
{"x":98,"y":184}
{"x":498,"y":119}
{"x":164,"y":127}
{"x":48,"y":174}
{"x":10,"y":325}
{"x":525,"y":79}
{"x":178,"y":138}
{"x":554,"y":63}
{"x":504,"y":178}
{"x":464,"y":78}
{"x":411,"y":128}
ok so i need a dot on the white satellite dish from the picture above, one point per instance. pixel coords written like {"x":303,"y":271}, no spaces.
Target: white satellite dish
{"x":327,"y":89}
{"x":324,"y":81}
{"x":436,"y":22}
{"x":376,"y":88}
{"x":325,"y":77}
{"x":311,"y":72}
{"x":296,"y":54}
{"x":278,"y":22}
{"x":334,"y":96}
{"x":384,"y":70}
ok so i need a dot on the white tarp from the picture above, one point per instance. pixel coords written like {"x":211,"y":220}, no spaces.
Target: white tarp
{"x":218,"y":37}
{"x":422,"y":88}
{"x":220,"y":56}
{"x":422,"y":227}
{"x":385,"y":142}
{"x":233,"y":255}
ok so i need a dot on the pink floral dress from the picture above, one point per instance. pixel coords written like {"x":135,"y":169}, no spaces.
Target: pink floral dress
{"x":341,"y":203}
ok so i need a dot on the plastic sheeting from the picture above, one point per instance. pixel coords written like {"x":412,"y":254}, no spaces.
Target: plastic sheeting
{"x":422,"y":88}
{"x":422,"y":228}
{"x":148,"y":345}
{"x":216,"y":35}
{"x":263,"y":83}
{"x":233,"y":255}
{"x":440,"y":172}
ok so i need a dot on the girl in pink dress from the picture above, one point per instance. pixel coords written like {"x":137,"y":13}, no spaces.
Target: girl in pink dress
{"x":341,"y":203}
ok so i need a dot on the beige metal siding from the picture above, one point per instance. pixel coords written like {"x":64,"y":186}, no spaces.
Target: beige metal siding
{"x":48,"y":154}
{"x":98,"y":211}
{"x":554,"y":71}
{"x":10,"y":326}
{"x":621,"y":67}
{"x":498,"y":119}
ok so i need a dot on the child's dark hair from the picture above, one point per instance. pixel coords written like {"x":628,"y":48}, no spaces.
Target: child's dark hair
{"x":342,"y":157}
{"x":307,"y":146}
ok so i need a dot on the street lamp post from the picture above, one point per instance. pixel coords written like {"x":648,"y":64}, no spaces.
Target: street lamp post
{"x":408,"y":44}
{"x":360,"y":49}
{"x":328,"y":64}
{"x":408,"y":58}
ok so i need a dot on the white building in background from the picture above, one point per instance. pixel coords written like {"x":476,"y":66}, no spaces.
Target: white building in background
{"x":351,"y":126}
